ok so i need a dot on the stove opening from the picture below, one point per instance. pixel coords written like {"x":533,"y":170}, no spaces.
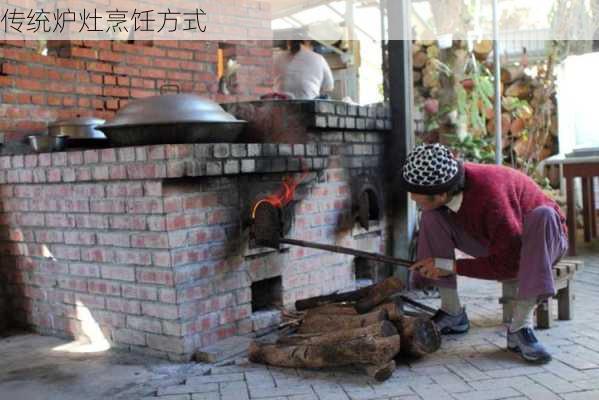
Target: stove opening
{"x":267,"y":294}
{"x":366,"y":201}
{"x":363,"y":269}
{"x":368,"y":272}
{"x":371,"y":204}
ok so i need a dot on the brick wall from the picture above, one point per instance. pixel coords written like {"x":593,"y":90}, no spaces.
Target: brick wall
{"x":99,"y":77}
{"x":308,"y":121}
{"x":151,"y":246}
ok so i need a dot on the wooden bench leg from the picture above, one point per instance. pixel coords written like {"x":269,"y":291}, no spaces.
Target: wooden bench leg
{"x":586,"y":210}
{"x":571,"y":215}
{"x":593,"y":210}
{"x":565,"y":302}
{"x":544,"y":314}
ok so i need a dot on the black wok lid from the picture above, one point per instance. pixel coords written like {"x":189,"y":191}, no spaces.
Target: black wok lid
{"x":169,"y":109}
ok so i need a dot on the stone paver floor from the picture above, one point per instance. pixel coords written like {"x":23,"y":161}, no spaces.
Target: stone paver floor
{"x":474,"y":366}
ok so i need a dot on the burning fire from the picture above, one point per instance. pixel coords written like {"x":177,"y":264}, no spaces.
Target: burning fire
{"x":285,"y":195}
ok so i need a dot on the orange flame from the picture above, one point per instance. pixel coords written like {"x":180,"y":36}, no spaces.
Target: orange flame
{"x":285,"y":195}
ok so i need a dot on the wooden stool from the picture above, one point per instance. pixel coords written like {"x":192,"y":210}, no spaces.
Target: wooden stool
{"x":563,"y":274}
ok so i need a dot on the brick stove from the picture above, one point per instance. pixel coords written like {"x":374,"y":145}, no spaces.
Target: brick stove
{"x":151,"y":244}
{"x":3,"y":308}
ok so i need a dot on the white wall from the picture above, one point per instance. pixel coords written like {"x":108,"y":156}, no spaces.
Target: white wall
{"x":578,"y":102}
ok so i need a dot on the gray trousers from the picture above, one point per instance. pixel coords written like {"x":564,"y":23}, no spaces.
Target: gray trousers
{"x":543,"y":244}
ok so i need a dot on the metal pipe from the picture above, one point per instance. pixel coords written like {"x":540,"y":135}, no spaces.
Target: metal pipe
{"x":401,"y":140}
{"x":417,"y":304}
{"x":363,"y":254}
{"x":498,"y":127}
{"x":346,"y":250}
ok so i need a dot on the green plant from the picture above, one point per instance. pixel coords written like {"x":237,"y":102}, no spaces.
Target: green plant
{"x":472,"y":103}
{"x":518,"y":108}
{"x":473,"y":93}
{"x":470,"y":148}
{"x":434,"y":121}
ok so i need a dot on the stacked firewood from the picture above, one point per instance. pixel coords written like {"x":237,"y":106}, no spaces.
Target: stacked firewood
{"x":365,"y":328}
{"x":528,"y":114}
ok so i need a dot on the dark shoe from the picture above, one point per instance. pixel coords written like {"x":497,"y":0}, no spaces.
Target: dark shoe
{"x":524,"y":342}
{"x":449,"y":324}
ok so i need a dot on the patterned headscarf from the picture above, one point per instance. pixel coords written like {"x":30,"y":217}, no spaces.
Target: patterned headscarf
{"x":431,"y":169}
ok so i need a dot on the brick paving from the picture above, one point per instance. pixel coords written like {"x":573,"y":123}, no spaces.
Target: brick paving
{"x":474,"y":366}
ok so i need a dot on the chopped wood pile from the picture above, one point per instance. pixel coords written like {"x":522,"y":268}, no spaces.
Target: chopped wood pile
{"x":528,"y":114}
{"x":365,"y":328}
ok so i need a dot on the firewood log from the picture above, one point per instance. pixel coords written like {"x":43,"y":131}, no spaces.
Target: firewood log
{"x":518,"y":125}
{"x":416,"y":76}
{"x":419,"y":60}
{"x":419,"y":336}
{"x":506,"y":123}
{"x":511,"y":73}
{"x":539,"y":95}
{"x":312,"y":302}
{"x":482,"y":49}
{"x":363,"y":350}
{"x":430,"y":77}
{"x":390,"y":285}
{"x":378,"y":294}
{"x":335,"y":309}
{"x":521,"y":148}
{"x":520,"y":89}
{"x":320,"y":323}
{"x":545,"y":153}
{"x":380,"y":373}
{"x":380,"y":329}
{"x":393,"y":308}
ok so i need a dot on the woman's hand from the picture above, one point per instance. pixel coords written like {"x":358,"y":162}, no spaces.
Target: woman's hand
{"x":426,"y":267}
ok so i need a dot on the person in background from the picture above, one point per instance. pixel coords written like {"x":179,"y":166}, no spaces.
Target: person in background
{"x":301,"y":72}
{"x":498,"y":216}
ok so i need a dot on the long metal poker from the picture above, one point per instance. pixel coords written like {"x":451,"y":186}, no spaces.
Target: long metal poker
{"x":346,"y":250}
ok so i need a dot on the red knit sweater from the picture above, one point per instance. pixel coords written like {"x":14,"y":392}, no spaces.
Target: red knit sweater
{"x":496,"y":200}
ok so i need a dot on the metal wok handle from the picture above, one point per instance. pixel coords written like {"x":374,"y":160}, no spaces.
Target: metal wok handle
{"x":170,"y":85}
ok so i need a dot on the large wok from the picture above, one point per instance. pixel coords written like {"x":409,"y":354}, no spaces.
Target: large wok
{"x":79,"y":132}
{"x":172,"y":118}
